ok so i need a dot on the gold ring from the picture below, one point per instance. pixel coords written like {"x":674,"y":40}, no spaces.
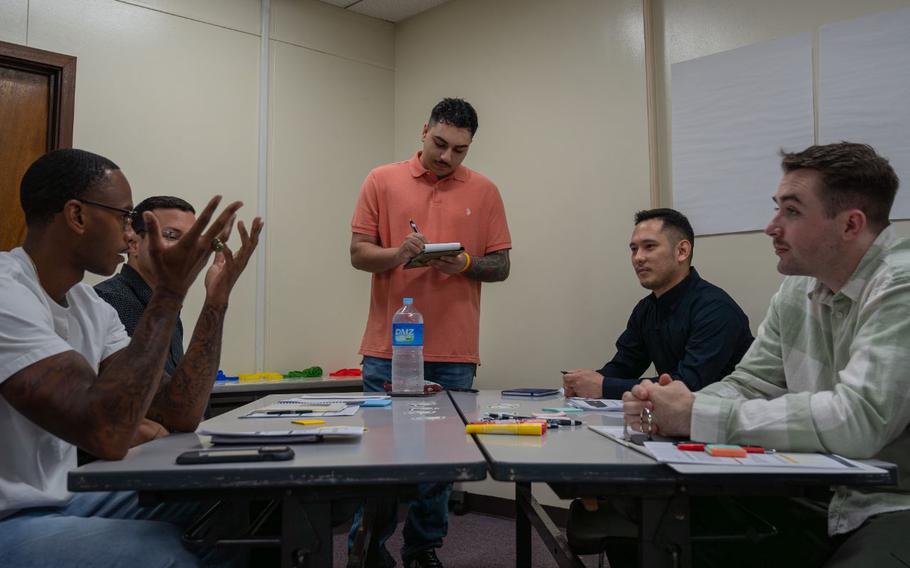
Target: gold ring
{"x":217,"y":245}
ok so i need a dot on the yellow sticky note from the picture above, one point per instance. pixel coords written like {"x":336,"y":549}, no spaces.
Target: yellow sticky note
{"x":308,"y":422}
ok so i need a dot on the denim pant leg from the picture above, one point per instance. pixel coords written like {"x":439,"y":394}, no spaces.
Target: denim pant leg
{"x":376,"y":372}
{"x":428,"y":514}
{"x":98,"y":529}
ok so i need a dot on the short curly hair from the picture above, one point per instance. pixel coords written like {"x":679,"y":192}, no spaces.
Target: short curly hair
{"x":456,"y":112}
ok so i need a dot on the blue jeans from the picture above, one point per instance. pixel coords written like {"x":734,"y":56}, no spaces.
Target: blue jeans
{"x":428,"y":513}
{"x":99,"y":529}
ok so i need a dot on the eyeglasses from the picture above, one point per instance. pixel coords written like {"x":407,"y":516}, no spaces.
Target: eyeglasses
{"x":171,"y":234}
{"x":127,"y":215}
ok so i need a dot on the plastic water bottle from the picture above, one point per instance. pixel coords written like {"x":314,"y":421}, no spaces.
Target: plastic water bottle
{"x":407,"y":349}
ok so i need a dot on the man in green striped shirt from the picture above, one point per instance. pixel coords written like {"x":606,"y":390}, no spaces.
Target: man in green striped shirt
{"x":830,"y":368}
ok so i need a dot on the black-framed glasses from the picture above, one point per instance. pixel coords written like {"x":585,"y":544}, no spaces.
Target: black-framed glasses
{"x":127,"y":215}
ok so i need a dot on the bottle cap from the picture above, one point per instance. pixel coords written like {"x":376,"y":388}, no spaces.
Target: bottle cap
{"x":408,"y":301}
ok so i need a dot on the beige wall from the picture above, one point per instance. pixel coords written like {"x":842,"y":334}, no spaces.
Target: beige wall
{"x":559,"y":89}
{"x":173,"y":101}
{"x":743,"y":264}
{"x":170,"y":91}
{"x":331,"y":122}
{"x":13,"y":17}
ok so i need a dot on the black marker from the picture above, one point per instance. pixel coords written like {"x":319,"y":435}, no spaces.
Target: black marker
{"x":413,"y":225}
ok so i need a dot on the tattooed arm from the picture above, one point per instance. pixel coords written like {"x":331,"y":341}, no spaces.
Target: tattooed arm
{"x":101,"y":412}
{"x":181,"y":399}
{"x":98,"y":412}
{"x":493,"y":267}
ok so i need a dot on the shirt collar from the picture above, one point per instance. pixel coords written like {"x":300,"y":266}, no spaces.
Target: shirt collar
{"x":671,"y":297}
{"x":134,"y":280}
{"x":417,"y":170}
{"x":857,"y":281}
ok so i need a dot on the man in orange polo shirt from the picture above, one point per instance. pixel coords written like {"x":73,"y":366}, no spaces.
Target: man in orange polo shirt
{"x":448,"y":202}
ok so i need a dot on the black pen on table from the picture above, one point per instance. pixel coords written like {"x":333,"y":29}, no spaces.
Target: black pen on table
{"x":282,"y":412}
{"x":413,"y":225}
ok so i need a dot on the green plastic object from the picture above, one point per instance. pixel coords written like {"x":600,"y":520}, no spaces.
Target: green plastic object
{"x":308,"y":372}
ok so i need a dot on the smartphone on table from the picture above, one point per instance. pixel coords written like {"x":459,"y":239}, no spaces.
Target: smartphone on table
{"x":228,"y":455}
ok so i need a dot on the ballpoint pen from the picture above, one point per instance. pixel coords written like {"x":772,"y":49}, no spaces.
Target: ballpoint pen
{"x":413,"y":225}
{"x":549,"y":421}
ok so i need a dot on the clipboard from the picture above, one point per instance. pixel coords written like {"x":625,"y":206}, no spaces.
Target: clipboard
{"x":432,"y":251}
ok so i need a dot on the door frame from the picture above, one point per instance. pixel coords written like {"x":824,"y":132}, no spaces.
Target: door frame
{"x":60,"y":70}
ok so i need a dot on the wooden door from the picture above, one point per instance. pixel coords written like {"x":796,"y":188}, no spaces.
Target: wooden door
{"x":37,"y":91}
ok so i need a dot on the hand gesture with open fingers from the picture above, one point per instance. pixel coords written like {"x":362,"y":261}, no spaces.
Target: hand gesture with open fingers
{"x":227,"y":266}
{"x":177,"y":266}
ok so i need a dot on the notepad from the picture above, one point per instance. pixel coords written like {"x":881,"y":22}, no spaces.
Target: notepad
{"x":300,"y":436}
{"x":432,"y":251}
{"x":302,"y":408}
{"x":310,"y":409}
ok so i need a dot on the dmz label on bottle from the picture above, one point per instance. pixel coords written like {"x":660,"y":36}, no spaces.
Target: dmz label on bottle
{"x":407,"y":335}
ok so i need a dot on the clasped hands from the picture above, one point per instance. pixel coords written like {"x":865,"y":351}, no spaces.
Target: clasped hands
{"x":669,"y":401}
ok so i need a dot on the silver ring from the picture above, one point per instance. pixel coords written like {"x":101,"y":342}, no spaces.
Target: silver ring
{"x":217,"y":245}
{"x":647,"y":421}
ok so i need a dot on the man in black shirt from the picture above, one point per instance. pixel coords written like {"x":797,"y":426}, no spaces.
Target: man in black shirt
{"x":687,"y":327}
{"x":129,"y":291}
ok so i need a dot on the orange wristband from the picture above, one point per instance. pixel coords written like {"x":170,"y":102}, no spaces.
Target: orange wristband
{"x":467,"y":264}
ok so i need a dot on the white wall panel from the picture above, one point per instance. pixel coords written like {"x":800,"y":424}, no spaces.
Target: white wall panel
{"x":331,"y":122}
{"x":174,"y":103}
{"x":559,"y":88}
{"x":13,"y":21}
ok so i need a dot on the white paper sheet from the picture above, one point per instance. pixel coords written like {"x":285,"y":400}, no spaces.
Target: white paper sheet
{"x":347,"y":411}
{"x":864,"y":90}
{"x":282,"y":436}
{"x":732,"y":112}
{"x":667,"y":452}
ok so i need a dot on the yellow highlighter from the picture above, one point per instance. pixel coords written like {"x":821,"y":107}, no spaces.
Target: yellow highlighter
{"x":308,"y":421}
{"x":515,"y":429}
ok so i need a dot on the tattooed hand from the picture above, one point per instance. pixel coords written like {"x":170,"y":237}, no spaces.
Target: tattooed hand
{"x":227,"y":266}
{"x":177,"y":266}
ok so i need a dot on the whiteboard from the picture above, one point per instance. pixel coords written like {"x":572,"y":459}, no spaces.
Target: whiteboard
{"x":864,"y":90}
{"x":731,"y":114}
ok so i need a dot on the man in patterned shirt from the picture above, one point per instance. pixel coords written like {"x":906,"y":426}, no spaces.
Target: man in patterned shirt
{"x":828,"y":371}
{"x":129,"y":291}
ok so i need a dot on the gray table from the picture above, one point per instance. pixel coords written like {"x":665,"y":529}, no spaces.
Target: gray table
{"x":577,"y":462}
{"x":415,"y":440}
{"x":230,"y":395}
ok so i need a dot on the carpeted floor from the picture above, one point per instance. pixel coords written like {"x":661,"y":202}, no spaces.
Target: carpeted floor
{"x":474,"y":541}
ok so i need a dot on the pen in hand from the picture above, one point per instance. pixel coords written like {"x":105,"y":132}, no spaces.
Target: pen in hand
{"x":413,"y":225}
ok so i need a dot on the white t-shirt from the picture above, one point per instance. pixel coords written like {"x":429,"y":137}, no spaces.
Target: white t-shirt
{"x":34,"y":462}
